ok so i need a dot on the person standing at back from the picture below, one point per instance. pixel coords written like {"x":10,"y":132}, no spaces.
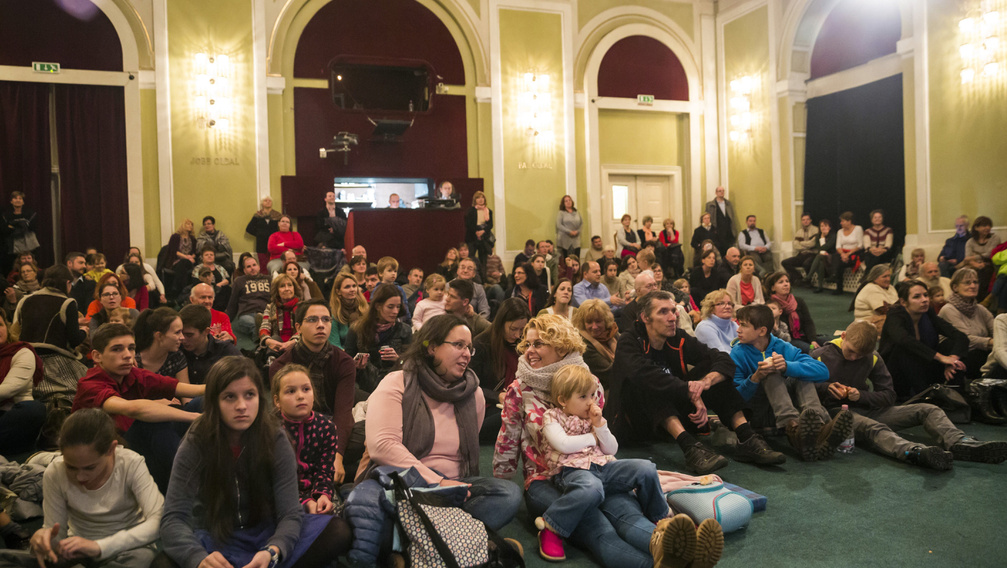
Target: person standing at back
{"x":723,"y":219}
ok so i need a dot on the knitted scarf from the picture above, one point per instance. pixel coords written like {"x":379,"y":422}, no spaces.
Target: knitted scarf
{"x":349,"y":310}
{"x":789,"y":305}
{"x":967,"y":306}
{"x":418,"y":422}
{"x":286,"y":325}
{"x":540,"y":380}
{"x":606,"y":349}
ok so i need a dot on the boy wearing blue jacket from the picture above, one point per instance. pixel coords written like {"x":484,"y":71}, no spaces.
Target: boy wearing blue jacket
{"x":769,"y":371}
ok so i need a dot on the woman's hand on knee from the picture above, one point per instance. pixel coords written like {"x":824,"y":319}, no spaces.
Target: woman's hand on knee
{"x":217,"y":560}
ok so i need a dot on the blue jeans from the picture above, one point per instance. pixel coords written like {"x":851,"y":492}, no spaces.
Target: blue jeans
{"x":158,"y":442}
{"x":493,"y":501}
{"x":616,"y":533}
{"x":245,"y":332}
{"x":585,"y":489}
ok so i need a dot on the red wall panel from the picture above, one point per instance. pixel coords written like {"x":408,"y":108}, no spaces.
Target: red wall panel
{"x":640,"y":65}
{"x":41,"y":30}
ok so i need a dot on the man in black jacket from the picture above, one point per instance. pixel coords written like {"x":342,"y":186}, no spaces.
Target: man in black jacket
{"x":81,"y":289}
{"x":652,"y":390}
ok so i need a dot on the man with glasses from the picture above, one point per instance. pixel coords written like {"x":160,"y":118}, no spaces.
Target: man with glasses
{"x":663,"y":382}
{"x":467,"y":271}
{"x":458,"y":301}
{"x":333,"y":378}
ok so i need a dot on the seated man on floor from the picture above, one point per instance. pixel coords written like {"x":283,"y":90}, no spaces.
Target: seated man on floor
{"x":953,"y":252}
{"x":860,"y":379}
{"x":654,"y":391}
{"x":768,"y":370}
{"x":805,"y":250}
{"x":729,"y":265}
{"x":200,"y":347}
{"x":591,"y":288}
{"x":136,"y":399}
{"x":458,"y":301}
{"x":754,"y":242}
{"x":203,"y":294}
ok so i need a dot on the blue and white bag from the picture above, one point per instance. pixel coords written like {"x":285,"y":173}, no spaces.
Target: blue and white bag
{"x":712,"y":501}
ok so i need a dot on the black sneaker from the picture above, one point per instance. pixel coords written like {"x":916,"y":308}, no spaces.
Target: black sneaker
{"x":834,"y":433}
{"x":931,"y":457}
{"x":702,"y":460}
{"x":756,"y":450}
{"x":970,"y":449}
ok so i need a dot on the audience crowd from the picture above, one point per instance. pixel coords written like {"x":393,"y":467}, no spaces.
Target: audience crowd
{"x":166,"y":401}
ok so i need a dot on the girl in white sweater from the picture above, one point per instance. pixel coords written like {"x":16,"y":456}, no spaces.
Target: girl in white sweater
{"x":101,"y":504}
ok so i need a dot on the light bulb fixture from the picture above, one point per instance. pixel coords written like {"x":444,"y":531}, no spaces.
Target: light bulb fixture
{"x":535,"y":117}
{"x":741,"y":118}
{"x":212,"y":96}
{"x":980,"y":48}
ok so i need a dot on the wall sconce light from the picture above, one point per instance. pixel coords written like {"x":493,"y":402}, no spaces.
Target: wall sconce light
{"x":981,"y":50}
{"x":535,"y":106}
{"x":212,"y":91}
{"x":740,"y":112}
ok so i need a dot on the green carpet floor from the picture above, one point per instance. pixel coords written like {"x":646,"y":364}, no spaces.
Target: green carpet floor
{"x":861,"y":510}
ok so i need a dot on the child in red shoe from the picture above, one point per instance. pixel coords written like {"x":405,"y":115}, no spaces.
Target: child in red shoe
{"x":582,"y":464}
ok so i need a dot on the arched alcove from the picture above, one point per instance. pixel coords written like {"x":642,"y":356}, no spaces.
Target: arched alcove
{"x":854,"y":33}
{"x":639,"y":64}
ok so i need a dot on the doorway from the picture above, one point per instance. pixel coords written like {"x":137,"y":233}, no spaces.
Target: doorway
{"x":638,"y":194}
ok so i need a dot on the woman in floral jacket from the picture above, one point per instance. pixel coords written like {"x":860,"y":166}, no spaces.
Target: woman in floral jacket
{"x":551,"y":342}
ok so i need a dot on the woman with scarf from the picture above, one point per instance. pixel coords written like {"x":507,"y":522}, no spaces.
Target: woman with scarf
{"x":21,"y":417}
{"x":918,"y":347}
{"x":597,"y":327}
{"x":718,"y":328}
{"x":27,"y":284}
{"x":527,"y":287}
{"x":427,"y":416}
{"x":803,"y":333}
{"x":970,"y":318}
{"x":744,"y":287}
{"x":347,"y":304}
{"x":550,"y":343}
{"x":875,"y":296}
{"x":378,"y":339}
{"x":495,"y":360}
{"x":277,"y":329}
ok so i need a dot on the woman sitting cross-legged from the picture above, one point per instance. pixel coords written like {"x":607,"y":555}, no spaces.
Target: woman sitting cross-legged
{"x":744,"y":287}
{"x":378,"y":339}
{"x":427,"y":416}
{"x":21,"y":417}
{"x":616,"y":531}
{"x":233,"y":499}
{"x":912,"y":344}
{"x":970,"y":318}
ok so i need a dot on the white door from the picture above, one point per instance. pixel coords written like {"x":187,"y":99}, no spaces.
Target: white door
{"x":639,"y":196}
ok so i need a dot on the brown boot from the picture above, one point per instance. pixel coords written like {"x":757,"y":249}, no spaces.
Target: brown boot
{"x":834,"y":433}
{"x":673,"y":542}
{"x":803,"y":434}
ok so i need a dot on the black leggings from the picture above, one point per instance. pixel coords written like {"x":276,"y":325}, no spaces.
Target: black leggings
{"x":334,"y":541}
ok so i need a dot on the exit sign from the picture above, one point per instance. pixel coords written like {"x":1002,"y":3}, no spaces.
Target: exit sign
{"x":41,"y":67}
{"x":645,"y":100}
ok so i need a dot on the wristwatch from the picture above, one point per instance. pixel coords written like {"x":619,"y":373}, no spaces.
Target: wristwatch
{"x":274,"y":555}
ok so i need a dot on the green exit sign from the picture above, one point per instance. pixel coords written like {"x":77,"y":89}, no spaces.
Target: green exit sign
{"x":41,"y":67}
{"x":645,"y":99}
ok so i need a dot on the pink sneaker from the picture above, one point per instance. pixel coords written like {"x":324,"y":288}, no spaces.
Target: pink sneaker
{"x":550,"y":545}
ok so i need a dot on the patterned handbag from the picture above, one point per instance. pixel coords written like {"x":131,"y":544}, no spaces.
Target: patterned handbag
{"x":439,"y":536}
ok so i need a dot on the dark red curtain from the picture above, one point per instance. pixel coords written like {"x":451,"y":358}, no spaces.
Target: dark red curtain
{"x":25,"y":156}
{"x":91,"y":138}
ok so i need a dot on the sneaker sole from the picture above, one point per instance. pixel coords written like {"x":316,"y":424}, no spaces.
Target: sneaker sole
{"x":676,"y":541}
{"x":841,"y":430}
{"x":809,"y":426}
{"x":989,"y":452}
{"x":936,"y":458}
{"x":709,"y":544}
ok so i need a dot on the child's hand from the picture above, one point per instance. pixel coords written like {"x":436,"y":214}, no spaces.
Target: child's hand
{"x":838,"y":391}
{"x":310,"y":507}
{"x":764,"y":369}
{"x":779,"y":363}
{"x":597,"y":420}
{"x":324,"y":505}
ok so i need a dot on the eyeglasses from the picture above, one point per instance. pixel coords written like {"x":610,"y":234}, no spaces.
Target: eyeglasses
{"x":109,"y":294}
{"x":538,"y":344}
{"x":316,"y":319}
{"x":461,"y":346}
{"x":724,"y":304}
